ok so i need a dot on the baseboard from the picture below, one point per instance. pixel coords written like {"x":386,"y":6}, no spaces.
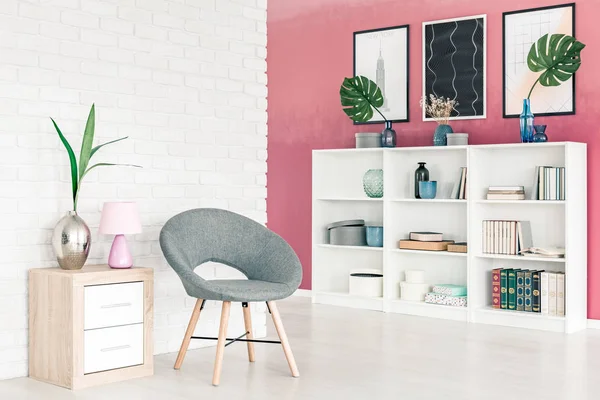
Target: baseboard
{"x":593,"y":323}
{"x":307,"y":293}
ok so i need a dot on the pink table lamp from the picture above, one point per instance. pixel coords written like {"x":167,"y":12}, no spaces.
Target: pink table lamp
{"x":120,"y":219}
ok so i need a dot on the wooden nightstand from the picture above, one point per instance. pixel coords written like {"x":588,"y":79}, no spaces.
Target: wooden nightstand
{"x":91,"y":326}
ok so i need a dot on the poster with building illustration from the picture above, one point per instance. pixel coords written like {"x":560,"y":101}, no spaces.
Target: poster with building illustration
{"x":382,"y":56}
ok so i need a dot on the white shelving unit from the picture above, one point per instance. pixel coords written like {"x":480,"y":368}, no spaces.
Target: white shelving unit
{"x":338,"y":195}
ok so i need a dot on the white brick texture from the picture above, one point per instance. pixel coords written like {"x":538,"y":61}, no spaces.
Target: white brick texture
{"x":184,"y":79}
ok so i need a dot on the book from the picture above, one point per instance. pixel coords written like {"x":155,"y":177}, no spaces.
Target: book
{"x":552,"y":184}
{"x":496,"y":288}
{"x":547,"y":183}
{"x":428,"y":246}
{"x":551,"y":252}
{"x":508,"y":196}
{"x":512,"y":289}
{"x":535,"y":292}
{"x":484,"y":243}
{"x":463,"y":183}
{"x":456,"y":189}
{"x":506,"y":188}
{"x":541,"y":183}
{"x":563,"y":184}
{"x":536,"y":185}
{"x":524,"y":235}
{"x":460,"y":247}
{"x":506,"y":239}
{"x":520,"y":290}
{"x":504,"y":288}
{"x":450,"y":290}
{"x":513,"y":237}
{"x":527,"y":291}
{"x":560,"y":294}
{"x":552,"y":294}
{"x":496,"y":237}
{"x":544,"y":292}
{"x":426,"y":236}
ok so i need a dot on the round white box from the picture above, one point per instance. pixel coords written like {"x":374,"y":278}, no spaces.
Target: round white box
{"x":414,"y":276}
{"x":366,"y":283}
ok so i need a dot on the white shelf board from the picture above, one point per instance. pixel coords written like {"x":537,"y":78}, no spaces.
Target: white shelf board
{"x":521,"y":258}
{"x":347,"y":300}
{"x":512,"y":202}
{"x":427,"y":148}
{"x":420,"y":308}
{"x":350,"y":150}
{"x":428,"y":252}
{"x":519,"y":319}
{"x":349,"y":199}
{"x":358,"y":248}
{"x":400,"y":200}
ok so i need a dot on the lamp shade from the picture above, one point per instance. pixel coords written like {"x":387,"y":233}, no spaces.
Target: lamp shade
{"x":120,"y":219}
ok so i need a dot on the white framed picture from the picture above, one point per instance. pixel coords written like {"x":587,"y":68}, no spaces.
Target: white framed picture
{"x":382,"y":56}
{"x":520,"y":29}
{"x":454,"y":64}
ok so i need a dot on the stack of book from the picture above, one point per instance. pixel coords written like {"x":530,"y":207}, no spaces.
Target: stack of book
{"x":506,"y":237}
{"x":506,"y":193}
{"x":430,"y":241}
{"x":549,"y":183}
{"x":526,"y":290}
{"x":459,"y":191}
{"x":448,"y":295}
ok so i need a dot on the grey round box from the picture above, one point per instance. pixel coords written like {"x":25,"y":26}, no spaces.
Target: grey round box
{"x":348,"y":233}
{"x":457,"y":139}
{"x":367,"y":140}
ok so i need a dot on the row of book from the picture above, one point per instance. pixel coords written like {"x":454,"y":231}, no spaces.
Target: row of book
{"x":506,"y":237}
{"x":526,"y":290}
{"x":459,"y":191}
{"x":549,"y":183}
{"x":431,"y":241}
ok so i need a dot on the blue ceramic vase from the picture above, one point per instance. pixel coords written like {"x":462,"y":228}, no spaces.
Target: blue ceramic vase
{"x":439,"y":136}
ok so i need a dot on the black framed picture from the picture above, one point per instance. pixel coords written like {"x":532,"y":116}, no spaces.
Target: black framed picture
{"x":454,"y":64}
{"x":382,"y":56}
{"x":520,"y":29}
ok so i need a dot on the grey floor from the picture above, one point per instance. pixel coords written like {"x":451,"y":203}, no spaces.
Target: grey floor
{"x":353,"y":354}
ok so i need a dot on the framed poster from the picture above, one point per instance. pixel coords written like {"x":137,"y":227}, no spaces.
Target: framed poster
{"x":382,"y":56}
{"x":454,"y":64}
{"x":520,"y":29}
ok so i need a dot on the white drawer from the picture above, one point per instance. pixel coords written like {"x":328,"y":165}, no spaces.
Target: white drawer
{"x":111,"y":348}
{"x":113,"y":305}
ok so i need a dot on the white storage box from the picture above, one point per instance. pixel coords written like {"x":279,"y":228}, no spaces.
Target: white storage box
{"x":413,"y":291}
{"x":366,"y":283}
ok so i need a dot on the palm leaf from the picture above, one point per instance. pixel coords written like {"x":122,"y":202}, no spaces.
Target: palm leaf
{"x":88,"y":140}
{"x":72,"y":160}
{"x":556,"y":56}
{"x":359,"y":96}
{"x":95,"y":149}
{"x":107,"y":165}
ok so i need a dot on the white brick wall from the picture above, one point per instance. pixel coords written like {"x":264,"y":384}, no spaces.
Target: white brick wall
{"x":184,"y":79}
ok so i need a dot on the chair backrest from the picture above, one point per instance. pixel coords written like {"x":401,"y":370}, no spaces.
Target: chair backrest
{"x":194,"y":237}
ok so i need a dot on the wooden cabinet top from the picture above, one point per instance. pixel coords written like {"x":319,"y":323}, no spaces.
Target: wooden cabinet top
{"x":98,"y":274}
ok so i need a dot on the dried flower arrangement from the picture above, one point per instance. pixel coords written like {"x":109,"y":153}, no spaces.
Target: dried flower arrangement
{"x":438,"y":108}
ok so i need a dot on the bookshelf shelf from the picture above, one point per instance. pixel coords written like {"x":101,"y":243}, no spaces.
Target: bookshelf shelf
{"x":338,"y":195}
{"x":522,"y":258}
{"x":357,"y":248}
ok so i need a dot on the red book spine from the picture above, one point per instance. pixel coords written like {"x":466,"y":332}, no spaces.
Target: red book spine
{"x":496,"y":288}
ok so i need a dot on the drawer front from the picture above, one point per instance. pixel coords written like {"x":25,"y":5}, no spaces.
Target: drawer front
{"x":111,"y":348}
{"x":113,"y":305}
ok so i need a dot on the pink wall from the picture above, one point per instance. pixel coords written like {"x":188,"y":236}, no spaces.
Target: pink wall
{"x":309,"y":53}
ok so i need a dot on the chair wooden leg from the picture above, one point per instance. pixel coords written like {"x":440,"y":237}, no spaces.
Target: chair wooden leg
{"x":188,"y":333}
{"x":221,"y":342}
{"x":283,"y":337}
{"x":248,"y":325}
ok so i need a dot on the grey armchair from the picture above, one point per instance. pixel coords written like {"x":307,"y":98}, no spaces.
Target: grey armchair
{"x":273,"y":270}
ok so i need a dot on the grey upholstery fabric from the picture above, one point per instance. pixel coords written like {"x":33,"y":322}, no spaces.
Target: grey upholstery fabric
{"x":197,"y":236}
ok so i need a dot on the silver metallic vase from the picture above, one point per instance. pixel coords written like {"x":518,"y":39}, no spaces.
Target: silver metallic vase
{"x":71,"y":241}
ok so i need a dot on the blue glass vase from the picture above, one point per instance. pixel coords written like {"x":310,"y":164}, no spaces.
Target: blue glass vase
{"x":388,"y":136}
{"x":439,"y":136}
{"x":526,"y":119}
{"x":373,"y":183}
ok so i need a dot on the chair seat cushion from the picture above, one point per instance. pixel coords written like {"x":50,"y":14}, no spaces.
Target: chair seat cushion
{"x":245,"y":290}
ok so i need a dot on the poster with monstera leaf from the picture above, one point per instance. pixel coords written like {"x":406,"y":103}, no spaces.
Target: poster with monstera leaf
{"x":521,"y":29}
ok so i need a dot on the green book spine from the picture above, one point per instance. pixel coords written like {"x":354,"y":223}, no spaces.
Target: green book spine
{"x":512,"y":289}
{"x":536,"y":291}
{"x":504,"y":289}
{"x":521,"y":291}
{"x":527,"y":287}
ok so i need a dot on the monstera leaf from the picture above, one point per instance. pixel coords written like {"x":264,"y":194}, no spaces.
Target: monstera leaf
{"x":557,"y":58}
{"x":359,"y":96}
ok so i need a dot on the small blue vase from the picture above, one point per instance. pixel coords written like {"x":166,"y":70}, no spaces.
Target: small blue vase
{"x":439,"y":136}
{"x":388,"y":136}
{"x":526,"y":119}
{"x":540,"y":134}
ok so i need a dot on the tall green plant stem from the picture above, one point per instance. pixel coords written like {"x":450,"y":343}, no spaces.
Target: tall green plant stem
{"x":535,"y":83}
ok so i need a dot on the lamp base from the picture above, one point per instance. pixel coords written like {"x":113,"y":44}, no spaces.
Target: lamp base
{"x":119,"y":256}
